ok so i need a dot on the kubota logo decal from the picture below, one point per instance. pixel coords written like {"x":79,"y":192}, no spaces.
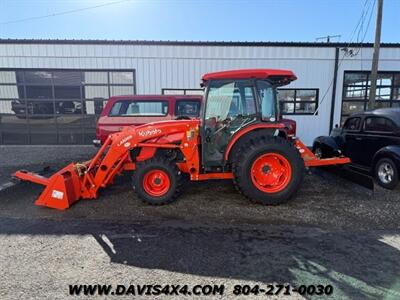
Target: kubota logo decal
{"x":149,"y":132}
{"x":124,"y":140}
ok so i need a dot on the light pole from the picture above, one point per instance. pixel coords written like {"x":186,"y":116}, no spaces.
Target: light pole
{"x":375,"y":58}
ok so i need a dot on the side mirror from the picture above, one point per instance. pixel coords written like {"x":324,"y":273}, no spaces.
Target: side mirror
{"x":336,"y":130}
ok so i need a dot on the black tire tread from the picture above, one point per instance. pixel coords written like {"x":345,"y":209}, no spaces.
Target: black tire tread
{"x":253,"y":145}
{"x":157,"y":162}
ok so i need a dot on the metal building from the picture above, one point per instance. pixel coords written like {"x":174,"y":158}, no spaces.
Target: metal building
{"x":51,"y":91}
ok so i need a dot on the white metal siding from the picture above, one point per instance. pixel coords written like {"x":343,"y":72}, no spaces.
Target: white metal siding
{"x":173,"y":66}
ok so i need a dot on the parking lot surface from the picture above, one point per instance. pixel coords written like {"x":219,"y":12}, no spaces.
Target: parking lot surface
{"x":332,"y":232}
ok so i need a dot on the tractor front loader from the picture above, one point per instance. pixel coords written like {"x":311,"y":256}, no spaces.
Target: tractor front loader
{"x":239,"y":137}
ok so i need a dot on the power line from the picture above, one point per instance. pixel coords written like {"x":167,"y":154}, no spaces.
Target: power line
{"x":63,"y":12}
{"x":369,"y":22}
{"x":360,"y":21}
{"x":361,"y":31}
{"x":363,"y":15}
{"x":360,"y":50}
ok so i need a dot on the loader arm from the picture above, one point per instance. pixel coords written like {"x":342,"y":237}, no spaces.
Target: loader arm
{"x":83,"y":180}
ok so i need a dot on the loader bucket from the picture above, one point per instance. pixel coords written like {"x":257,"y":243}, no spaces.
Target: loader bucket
{"x":61,"y":190}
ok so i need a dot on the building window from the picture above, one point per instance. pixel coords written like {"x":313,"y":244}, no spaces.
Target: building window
{"x":298,"y":101}
{"x":182,"y":92}
{"x":356,"y":88}
{"x":56,"y":106}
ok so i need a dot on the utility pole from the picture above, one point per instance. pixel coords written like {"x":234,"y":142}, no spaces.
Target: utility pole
{"x":375,"y":57}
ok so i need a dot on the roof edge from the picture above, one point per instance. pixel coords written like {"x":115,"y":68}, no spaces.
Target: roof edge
{"x":195,"y":43}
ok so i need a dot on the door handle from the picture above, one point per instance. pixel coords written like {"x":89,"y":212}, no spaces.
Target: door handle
{"x":358,"y":139}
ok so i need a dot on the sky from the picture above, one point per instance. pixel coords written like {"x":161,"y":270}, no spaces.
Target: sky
{"x":200,"y":20}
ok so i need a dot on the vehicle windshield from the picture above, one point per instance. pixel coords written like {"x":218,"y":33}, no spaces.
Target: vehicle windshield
{"x":230,"y":100}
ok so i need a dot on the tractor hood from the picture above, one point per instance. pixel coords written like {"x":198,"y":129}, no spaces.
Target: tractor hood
{"x":158,"y":129}
{"x":168,"y":123}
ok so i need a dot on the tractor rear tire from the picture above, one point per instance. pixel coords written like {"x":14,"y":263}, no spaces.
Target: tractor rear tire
{"x":268,"y":170}
{"x":157,"y":181}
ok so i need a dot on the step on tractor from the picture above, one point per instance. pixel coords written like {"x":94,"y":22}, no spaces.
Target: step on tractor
{"x":239,"y":137}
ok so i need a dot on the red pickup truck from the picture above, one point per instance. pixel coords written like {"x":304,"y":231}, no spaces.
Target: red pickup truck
{"x":123,"y":111}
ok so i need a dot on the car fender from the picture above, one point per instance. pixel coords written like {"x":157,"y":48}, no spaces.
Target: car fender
{"x":328,"y":144}
{"x":392,"y":152}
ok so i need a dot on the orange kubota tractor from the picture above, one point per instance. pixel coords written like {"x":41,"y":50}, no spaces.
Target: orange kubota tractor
{"x":239,"y":136}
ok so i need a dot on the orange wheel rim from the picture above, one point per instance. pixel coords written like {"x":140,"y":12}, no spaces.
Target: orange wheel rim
{"x":156,"y":183}
{"x":271,"y":173}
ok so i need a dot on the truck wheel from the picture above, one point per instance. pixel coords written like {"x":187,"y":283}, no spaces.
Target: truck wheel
{"x":268,"y":170}
{"x":386,"y":173}
{"x":157,"y":181}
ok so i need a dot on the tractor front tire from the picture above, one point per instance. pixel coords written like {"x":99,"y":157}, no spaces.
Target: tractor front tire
{"x":268,"y":170}
{"x":157,"y":181}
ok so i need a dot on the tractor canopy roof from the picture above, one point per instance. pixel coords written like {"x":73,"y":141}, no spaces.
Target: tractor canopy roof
{"x":278,"y":77}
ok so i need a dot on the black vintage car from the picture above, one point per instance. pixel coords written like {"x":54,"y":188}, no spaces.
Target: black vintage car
{"x":372,"y":141}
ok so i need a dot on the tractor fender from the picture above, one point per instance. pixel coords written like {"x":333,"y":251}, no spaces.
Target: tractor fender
{"x":392,"y":152}
{"x":249,"y":132}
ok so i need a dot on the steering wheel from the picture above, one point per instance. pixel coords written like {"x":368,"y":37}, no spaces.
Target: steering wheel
{"x":225,"y":123}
